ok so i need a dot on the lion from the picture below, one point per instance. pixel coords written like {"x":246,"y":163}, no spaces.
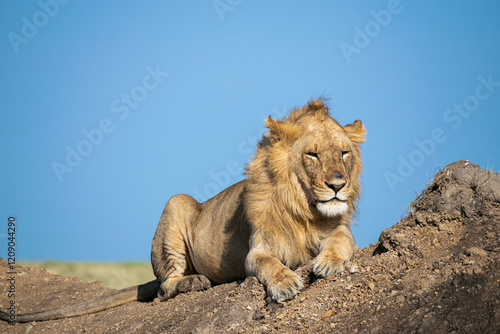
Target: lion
{"x":296,"y":203}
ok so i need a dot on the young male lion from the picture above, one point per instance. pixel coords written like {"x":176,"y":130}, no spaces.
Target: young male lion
{"x":296,"y":203}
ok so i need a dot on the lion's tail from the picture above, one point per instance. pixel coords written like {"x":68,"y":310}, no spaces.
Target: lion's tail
{"x":143,"y":292}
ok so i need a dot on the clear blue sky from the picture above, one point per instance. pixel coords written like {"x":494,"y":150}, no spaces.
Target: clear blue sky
{"x":112,"y":107}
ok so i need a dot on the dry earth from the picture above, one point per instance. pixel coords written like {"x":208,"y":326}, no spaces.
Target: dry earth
{"x":435,"y":271}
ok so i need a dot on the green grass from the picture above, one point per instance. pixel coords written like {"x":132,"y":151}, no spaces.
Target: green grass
{"x":116,"y":275}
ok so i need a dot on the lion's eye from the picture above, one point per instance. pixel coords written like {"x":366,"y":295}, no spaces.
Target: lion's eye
{"x":345,"y":153}
{"x":312,"y":155}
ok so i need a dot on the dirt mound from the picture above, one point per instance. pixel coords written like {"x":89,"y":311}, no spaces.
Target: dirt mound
{"x":435,"y":271}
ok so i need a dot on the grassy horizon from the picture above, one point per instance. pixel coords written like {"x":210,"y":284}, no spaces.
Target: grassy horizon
{"x":115,"y":275}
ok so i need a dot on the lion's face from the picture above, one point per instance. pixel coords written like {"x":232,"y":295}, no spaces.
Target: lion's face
{"x":327,"y":165}
{"x":322,"y":157}
{"x":311,"y":161}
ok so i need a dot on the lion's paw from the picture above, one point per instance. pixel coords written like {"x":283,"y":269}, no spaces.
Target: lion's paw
{"x":193,"y":283}
{"x":285,"y":286}
{"x":324,"y":267}
{"x":173,"y":286}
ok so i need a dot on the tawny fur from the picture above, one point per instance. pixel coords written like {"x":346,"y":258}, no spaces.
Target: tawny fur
{"x":296,"y":203}
{"x":284,"y":213}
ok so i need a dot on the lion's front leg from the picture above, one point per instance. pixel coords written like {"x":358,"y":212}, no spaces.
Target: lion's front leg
{"x":281,"y":282}
{"x":334,"y":253}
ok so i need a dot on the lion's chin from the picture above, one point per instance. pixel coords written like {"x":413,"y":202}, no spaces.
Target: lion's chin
{"x":332,"y":208}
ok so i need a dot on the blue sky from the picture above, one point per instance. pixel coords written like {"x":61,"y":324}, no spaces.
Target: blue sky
{"x":110,"y":108}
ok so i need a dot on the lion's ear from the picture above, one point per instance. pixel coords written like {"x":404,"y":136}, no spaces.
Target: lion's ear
{"x":279,"y":131}
{"x":356,"y":131}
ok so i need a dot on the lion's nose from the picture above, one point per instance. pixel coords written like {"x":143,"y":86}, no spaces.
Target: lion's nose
{"x":335,"y":186}
{"x":336,"y":181}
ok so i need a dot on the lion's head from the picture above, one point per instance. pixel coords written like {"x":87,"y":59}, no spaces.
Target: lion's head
{"x":308,"y":163}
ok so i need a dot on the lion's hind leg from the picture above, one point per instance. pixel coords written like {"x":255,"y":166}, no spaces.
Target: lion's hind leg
{"x":188,"y":283}
{"x":169,"y":253}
